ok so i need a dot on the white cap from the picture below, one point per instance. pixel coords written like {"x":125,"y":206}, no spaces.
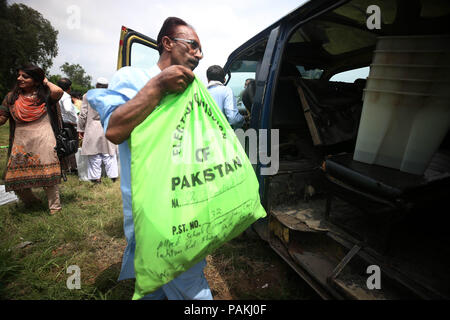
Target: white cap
{"x":103,"y":81}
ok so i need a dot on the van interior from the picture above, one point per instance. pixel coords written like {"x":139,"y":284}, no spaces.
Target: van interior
{"x":328,"y":210}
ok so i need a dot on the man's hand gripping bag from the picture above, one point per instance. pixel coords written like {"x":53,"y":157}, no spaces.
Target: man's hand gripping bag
{"x":193,"y":187}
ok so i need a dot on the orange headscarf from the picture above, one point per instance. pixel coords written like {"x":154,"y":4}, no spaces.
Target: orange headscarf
{"x":27,"y":109}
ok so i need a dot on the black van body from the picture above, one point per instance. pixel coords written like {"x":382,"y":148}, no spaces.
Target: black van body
{"x":351,"y":230}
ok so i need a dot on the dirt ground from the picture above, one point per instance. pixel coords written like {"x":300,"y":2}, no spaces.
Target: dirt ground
{"x":247,"y":268}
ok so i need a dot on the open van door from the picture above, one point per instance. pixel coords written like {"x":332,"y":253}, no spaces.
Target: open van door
{"x":136,"y":49}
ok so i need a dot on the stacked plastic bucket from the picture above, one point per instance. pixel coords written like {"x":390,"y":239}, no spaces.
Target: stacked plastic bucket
{"x":406,"y":111}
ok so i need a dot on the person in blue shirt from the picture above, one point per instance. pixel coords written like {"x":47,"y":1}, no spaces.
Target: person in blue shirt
{"x":132,"y":95}
{"x":224,"y":96}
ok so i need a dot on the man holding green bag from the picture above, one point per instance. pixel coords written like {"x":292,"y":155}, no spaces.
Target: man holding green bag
{"x":132,"y":96}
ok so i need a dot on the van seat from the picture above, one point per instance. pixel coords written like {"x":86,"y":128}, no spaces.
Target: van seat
{"x":332,"y":109}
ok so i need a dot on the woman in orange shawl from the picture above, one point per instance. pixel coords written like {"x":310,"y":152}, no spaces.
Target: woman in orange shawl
{"x":32,"y":160}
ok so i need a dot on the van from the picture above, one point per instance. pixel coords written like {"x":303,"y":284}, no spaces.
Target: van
{"x":356,"y":95}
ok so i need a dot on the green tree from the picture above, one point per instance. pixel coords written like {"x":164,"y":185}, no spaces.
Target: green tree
{"x":54,"y":78}
{"x":77,"y":75}
{"x":27,"y":37}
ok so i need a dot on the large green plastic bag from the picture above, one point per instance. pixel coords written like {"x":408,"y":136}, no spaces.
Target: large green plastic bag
{"x":193,"y":187}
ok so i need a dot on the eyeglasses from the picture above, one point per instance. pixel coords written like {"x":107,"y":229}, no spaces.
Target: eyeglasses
{"x":192,"y":43}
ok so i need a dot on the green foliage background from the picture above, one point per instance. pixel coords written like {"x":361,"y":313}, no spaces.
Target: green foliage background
{"x":81,"y":82}
{"x":27,"y":37}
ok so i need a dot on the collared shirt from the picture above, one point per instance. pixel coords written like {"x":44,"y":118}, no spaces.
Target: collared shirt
{"x":227,"y":103}
{"x":124,"y":86}
{"x":69,"y":112}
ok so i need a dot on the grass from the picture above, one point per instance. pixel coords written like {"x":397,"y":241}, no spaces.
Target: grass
{"x":89,"y":233}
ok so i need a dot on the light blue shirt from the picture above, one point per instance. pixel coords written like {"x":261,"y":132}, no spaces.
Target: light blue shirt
{"x":124,"y":86}
{"x":227,"y":103}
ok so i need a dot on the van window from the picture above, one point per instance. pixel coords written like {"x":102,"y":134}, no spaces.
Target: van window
{"x":243,"y":74}
{"x":238,"y":84}
{"x":143,"y":56}
{"x":351,"y":75}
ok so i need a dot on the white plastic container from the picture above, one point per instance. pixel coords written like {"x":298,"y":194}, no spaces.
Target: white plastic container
{"x":413,"y":43}
{"x":82,"y":165}
{"x":427,"y":133}
{"x":416,"y":72}
{"x":401,"y":130}
{"x":423,"y":87}
{"x":423,"y":57}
